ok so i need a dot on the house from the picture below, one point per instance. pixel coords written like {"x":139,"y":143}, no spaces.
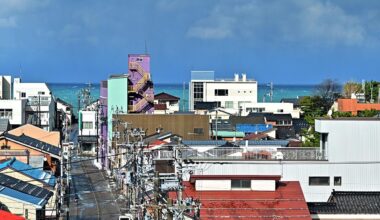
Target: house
{"x":347,"y":205}
{"x":42,"y":152}
{"x":22,"y":171}
{"x":230,"y":94}
{"x":40,"y":106}
{"x":345,"y":160}
{"x":270,"y":107}
{"x":64,"y":115}
{"x":166,"y":103}
{"x":14,"y":111}
{"x":242,"y":197}
{"x":354,"y":107}
{"x":88,"y":130}
{"x":23,"y":198}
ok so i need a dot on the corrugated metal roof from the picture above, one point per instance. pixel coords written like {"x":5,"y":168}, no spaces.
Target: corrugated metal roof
{"x":24,"y":187}
{"x":10,"y":193}
{"x":287,"y":202}
{"x":37,"y":144}
{"x":229,"y":134}
{"x":30,"y":171}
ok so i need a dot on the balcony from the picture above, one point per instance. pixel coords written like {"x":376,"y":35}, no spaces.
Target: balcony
{"x":257,"y":154}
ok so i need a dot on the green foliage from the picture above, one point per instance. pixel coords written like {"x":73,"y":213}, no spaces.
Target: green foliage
{"x":375,"y":90}
{"x":351,"y":87}
{"x":341,"y":114}
{"x":311,"y":138}
{"x":368,"y":113}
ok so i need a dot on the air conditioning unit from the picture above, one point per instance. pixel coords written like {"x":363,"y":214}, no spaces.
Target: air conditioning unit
{"x":126,"y":217}
{"x":279,"y":155}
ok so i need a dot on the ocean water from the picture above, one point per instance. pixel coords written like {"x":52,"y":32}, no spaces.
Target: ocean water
{"x":70,"y":92}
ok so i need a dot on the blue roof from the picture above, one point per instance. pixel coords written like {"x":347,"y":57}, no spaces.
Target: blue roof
{"x":252,"y":128}
{"x":8,"y":192}
{"x":30,"y":171}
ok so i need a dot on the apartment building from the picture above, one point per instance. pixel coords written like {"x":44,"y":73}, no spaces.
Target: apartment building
{"x":40,"y":107}
{"x":229,"y":93}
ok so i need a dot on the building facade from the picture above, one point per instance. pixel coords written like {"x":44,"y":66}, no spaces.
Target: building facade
{"x":230,"y":93}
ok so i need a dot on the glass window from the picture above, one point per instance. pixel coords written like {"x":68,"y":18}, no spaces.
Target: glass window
{"x":6,"y":113}
{"x":23,"y":95}
{"x":229,"y":104}
{"x":221,"y":92}
{"x":87,"y":125}
{"x":337,"y":181}
{"x":198,"y":91}
{"x":319,"y":181}
{"x":198,"y":130}
{"x":240,"y":184}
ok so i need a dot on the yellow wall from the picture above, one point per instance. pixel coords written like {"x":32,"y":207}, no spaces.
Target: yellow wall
{"x":18,"y":208}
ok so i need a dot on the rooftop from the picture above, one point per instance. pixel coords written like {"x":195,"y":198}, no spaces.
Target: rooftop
{"x":287,"y":202}
{"x":350,"y":119}
{"x":9,"y":216}
{"x":50,"y":137}
{"x":23,"y":191}
{"x":165,"y":97}
{"x":35,"y":144}
{"x":30,"y":171}
{"x":344,"y":202}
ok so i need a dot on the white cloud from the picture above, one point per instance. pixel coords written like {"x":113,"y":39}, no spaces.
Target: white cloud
{"x":307,"y":21}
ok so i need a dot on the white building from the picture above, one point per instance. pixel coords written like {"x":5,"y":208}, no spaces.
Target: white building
{"x":165,"y":103}
{"x":40,"y":108}
{"x":14,"y":110}
{"x":88,"y":131}
{"x":348,"y":160}
{"x":5,"y":87}
{"x":230,"y":93}
{"x":270,"y":107}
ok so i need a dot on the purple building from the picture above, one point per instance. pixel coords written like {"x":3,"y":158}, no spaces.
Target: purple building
{"x":103,"y":126}
{"x":140,"y":85}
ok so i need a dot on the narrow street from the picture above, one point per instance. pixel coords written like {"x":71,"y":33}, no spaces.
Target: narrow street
{"x":95,"y":199}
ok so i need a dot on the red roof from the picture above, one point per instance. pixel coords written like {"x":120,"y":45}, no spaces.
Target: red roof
{"x":9,"y":216}
{"x":287,"y":202}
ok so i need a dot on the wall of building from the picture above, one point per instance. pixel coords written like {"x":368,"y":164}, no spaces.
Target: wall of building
{"x":18,"y":111}
{"x":278,"y":108}
{"x":351,"y":140}
{"x":182,"y":125}
{"x":5,"y":87}
{"x":352,"y":105}
{"x":88,"y":118}
{"x":19,"y":208}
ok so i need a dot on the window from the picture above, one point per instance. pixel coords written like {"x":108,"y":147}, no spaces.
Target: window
{"x":41,"y":93}
{"x":319,"y":181}
{"x":23,"y":95}
{"x":337,"y":180}
{"x":241,"y":184}
{"x":87,"y":125}
{"x":198,"y":91}
{"x":6,"y":113}
{"x":198,"y":130}
{"x":221,"y":92}
{"x":229,"y":104}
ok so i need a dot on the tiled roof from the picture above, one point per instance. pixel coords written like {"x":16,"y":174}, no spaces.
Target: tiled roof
{"x":287,"y":202}
{"x":165,"y":97}
{"x":50,"y":137}
{"x":23,"y":191}
{"x":344,"y":202}
{"x":285,"y":132}
{"x":30,"y":171}
{"x":258,"y":119}
{"x":35,"y":144}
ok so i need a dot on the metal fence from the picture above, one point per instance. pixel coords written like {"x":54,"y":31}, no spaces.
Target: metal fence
{"x":288,"y":154}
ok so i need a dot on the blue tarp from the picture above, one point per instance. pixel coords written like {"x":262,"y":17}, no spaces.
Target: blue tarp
{"x":252,"y":128}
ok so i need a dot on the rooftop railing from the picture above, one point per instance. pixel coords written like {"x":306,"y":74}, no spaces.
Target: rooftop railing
{"x":275,"y":154}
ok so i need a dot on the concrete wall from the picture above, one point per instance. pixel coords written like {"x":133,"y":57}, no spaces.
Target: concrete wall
{"x":18,"y":110}
{"x":88,"y":117}
{"x":278,"y":108}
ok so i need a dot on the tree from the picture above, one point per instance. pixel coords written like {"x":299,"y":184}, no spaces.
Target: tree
{"x":368,"y":113}
{"x":341,"y":114}
{"x":328,"y":91}
{"x":372,"y":87}
{"x":351,"y":87}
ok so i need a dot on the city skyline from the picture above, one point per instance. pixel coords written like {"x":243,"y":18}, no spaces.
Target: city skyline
{"x":80,"y":42}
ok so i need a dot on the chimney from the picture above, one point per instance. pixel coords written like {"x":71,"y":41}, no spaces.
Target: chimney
{"x":236,"y":79}
{"x":243,"y":77}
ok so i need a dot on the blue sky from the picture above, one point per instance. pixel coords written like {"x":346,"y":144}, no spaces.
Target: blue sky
{"x":287,"y":42}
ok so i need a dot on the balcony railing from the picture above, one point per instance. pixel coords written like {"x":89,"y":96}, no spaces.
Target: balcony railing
{"x":274,"y":154}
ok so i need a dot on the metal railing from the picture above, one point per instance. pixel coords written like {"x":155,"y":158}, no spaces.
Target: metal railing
{"x":285,"y":154}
